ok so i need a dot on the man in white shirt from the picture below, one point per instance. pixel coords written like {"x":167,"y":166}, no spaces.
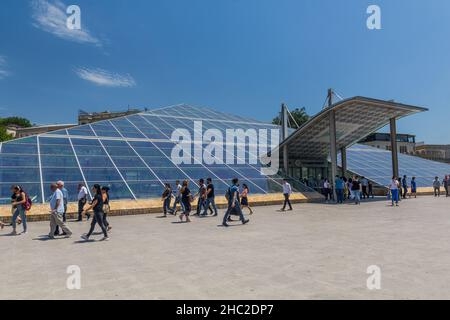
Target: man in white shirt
{"x":82,"y":199}
{"x":57,"y":212}
{"x":177,"y":198}
{"x":287,"y":191}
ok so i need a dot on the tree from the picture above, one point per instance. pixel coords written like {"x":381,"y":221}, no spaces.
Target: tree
{"x":300,"y":116}
{"x":18,"y":121}
{"x":4,"y":136}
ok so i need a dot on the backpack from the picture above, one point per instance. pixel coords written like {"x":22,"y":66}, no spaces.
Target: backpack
{"x":28,"y":203}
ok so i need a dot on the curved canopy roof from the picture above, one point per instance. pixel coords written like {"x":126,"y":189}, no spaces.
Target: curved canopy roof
{"x":355,"y":119}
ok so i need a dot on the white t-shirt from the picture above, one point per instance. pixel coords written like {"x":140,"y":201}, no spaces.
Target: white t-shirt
{"x":57,"y":195}
{"x":287,"y":188}
{"x":393,"y":185}
{"x":179,"y":190}
{"x":82,"y":193}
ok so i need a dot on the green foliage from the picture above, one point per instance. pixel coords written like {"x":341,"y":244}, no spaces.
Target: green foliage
{"x":300,"y":116}
{"x":22,"y":122}
{"x":4,"y":136}
{"x":18,"y":121}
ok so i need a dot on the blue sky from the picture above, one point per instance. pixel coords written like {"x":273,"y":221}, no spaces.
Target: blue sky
{"x":239,"y":56}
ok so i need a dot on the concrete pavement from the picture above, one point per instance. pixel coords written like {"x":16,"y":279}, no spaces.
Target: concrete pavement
{"x":317,"y":251}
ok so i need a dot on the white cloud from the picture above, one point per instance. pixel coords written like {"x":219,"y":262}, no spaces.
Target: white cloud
{"x":3,"y":72}
{"x":105,"y":78}
{"x":50,"y":16}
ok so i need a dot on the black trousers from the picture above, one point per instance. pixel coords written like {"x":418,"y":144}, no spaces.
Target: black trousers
{"x":364,"y":192}
{"x":81,"y":204}
{"x":98,"y":218}
{"x":287,"y":201}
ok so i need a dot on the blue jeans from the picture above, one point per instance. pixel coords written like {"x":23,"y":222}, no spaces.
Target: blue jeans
{"x":167,"y":205}
{"x":210,"y":201}
{"x":237,"y":207}
{"x":20,"y":211}
{"x":176,"y":201}
{"x":340,"y":195}
{"x":200,"y":204}
{"x":394,"y":196}
{"x":357,"y":196}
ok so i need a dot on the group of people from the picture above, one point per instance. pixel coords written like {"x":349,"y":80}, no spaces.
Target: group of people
{"x":353,"y":189}
{"x":205,"y":200}
{"x":437,"y":186}
{"x":400,"y":189}
{"x":58,"y":201}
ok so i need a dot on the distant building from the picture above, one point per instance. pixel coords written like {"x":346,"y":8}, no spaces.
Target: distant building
{"x":434,"y":152}
{"x":19,"y":132}
{"x":406,"y":142}
{"x":89,"y":117}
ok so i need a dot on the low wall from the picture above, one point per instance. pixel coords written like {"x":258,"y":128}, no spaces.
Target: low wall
{"x":40,"y":212}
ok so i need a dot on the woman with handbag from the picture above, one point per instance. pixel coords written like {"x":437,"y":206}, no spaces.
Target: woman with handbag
{"x":186,"y":199}
{"x":18,"y":203}
{"x":97,"y":206}
{"x":106,"y":207}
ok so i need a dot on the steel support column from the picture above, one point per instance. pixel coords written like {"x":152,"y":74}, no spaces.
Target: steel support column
{"x":394,"y":149}
{"x":333,"y":151}
{"x":284,"y":117}
{"x":344,"y":161}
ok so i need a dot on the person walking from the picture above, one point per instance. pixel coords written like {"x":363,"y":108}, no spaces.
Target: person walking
{"x":371,"y":190}
{"x":106,"y":207}
{"x":201,"y":196}
{"x":400,"y":189}
{"x":57,"y":212}
{"x":327,"y":190}
{"x":233,"y":203}
{"x":97,"y":206}
{"x":287,"y":191}
{"x":356,"y":190}
{"x":404,"y":187}
{"x":177,"y":198}
{"x":346,"y":191}
{"x":166,"y":197}
{"x":186,"y":199}
{"x":339,"y":185}
{"x":65,"y":193}
{"x":82,"y":199}
{"x":437,"y":187}
{"x":210,"y":198}
{"x":244,"y":198}
{"x":349,"y":187}
{"x":364,"y":185}
{"x":19,"y":199}
{"x":394,"y":188}
{"x":445,"y":183}
{"x":413,"y":188}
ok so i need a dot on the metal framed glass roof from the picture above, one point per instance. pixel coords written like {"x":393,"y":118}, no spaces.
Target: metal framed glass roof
{"x":376,"y":165}
{"x":355,"y":119}
{"x":131,"y":155}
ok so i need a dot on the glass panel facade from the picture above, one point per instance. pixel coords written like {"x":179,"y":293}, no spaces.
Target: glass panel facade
{"x":132,"y":152}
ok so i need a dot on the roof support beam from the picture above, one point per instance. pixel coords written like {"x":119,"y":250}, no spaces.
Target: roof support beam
{"x":344,"y":161}
{"x":333,"y":151}
{"x":333,"y":146}
{"x":284,"y":117}
{"x":394,"y":150}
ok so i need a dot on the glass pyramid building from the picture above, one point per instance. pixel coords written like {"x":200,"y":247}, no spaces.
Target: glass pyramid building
{"x":131,"y":155}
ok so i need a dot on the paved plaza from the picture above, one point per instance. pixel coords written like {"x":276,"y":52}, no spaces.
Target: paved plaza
{"x":317,"y":251}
